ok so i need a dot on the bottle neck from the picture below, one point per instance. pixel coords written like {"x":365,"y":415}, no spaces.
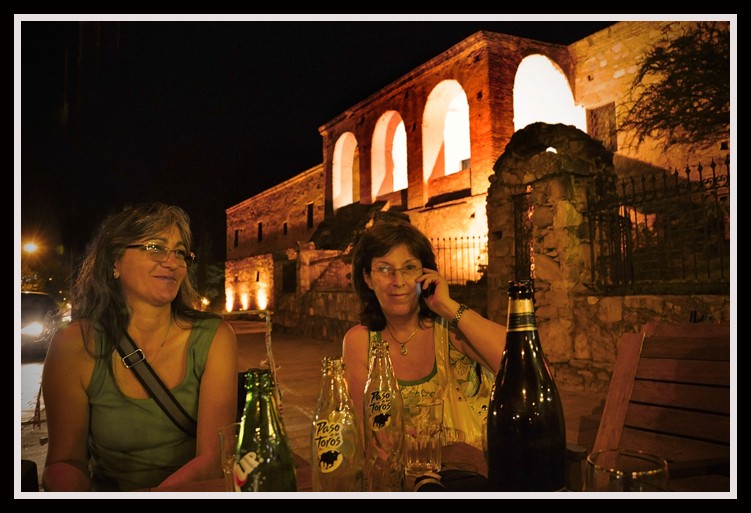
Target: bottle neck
{"x":333,"y":383}
{"x":340,"y":384}
{"x":521,"y":315}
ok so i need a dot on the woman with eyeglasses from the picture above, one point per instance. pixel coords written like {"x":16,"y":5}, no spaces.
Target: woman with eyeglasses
{"x":105,"y":431}
{"x":438,"y":346}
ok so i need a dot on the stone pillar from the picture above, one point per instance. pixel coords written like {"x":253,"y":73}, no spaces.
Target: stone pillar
{"x":555,"y":164}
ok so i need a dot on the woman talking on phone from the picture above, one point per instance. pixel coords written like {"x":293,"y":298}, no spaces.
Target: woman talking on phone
{"x":438,"y":346}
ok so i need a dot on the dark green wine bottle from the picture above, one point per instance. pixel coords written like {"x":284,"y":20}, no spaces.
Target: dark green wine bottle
{"x":526,"y":433}
{"x":264,"y":457}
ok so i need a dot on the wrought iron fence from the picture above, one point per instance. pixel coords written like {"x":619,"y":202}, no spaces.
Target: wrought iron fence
{"x":664,"y":233}
{"x":461,"y":260}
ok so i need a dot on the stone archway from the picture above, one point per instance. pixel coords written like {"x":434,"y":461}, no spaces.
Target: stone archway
{"x":555,"y":165}
{"x":577,"y":152}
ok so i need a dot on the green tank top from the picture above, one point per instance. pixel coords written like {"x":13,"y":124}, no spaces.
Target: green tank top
{"x":132,"y":442}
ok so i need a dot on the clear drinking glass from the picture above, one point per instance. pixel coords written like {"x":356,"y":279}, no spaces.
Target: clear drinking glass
{"x":423,"y":436}
{"x":228,"y":436}
{"x":612,"y":470}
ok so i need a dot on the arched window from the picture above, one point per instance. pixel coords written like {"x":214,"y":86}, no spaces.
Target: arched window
{"x":345,"y":171}
{"x":389,"y":155}
{"x":542,"y":94}
{"x":446,"y":141}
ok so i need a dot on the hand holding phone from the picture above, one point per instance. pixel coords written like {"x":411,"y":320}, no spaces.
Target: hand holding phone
{"x":428,"y":291}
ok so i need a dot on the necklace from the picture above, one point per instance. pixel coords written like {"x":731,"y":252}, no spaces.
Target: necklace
{"x":163,"y":341}
{"x":403,"y":350}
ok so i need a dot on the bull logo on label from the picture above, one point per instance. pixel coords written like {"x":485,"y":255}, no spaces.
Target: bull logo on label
{"x":379,"y":408}
{"x":328,"y":441}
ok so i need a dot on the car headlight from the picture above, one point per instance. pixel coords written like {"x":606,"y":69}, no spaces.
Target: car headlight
{"x":33,"y":329}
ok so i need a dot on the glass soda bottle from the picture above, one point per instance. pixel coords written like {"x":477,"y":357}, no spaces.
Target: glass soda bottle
{"x":383,"y":424}
{"x":264,"y":457}
{"x":526,"y":432}
{"x":336,"y":446}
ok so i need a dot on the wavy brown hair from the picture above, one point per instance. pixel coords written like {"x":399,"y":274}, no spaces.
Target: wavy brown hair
{"x":97,"y":296}
{"x":375,"y":242}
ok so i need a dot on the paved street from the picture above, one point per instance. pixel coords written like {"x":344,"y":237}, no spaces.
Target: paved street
{"x":298,"y":363}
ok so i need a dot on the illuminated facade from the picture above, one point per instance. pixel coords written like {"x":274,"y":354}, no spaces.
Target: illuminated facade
{"x":426,"y":145}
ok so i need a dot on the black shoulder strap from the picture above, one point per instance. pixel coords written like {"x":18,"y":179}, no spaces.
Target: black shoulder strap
{"x":134,"y":359}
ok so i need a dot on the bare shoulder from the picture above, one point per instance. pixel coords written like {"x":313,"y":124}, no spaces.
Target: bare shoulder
{"x":225,"y":340}
{"x":69,"y":355}
{"x":225,"y":329}
{"x":70,"y":340}
{"x":355,"y":344}
{"x":356,"y":336}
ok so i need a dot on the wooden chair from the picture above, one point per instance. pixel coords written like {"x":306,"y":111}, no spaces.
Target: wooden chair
{"x":670,"y":395}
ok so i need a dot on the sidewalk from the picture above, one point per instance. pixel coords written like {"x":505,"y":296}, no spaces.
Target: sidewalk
{"x":299,"y":374}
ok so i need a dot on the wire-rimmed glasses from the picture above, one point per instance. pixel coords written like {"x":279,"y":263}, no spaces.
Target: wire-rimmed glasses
{"x":159,"y":253}
{"x":386,"y":272}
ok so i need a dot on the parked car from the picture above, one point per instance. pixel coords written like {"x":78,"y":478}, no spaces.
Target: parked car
{"x":40,"y":315}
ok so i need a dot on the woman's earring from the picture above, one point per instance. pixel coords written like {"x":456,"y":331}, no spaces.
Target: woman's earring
{"x":116,"y":274}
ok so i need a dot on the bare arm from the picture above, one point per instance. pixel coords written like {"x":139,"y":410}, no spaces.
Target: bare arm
{"x":66,"y":375}
{"x":479,"y":338}
{"x":217,"y":405}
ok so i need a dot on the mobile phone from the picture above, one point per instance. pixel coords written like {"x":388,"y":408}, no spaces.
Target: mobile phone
{"x":428,"y":291}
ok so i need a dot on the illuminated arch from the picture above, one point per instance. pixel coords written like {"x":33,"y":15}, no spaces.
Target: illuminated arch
{"x":542,"y":94}
{"x":388,"y":155}
{"x":445,"y":131}
{"x":344,"y":172}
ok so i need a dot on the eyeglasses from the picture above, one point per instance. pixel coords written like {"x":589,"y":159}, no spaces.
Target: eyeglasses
{"x":409,"y":271}
{"x":159,"y":253}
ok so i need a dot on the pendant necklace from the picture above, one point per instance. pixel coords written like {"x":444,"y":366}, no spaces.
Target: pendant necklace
{"x":163,"y":341}
{"x":403,"y":345}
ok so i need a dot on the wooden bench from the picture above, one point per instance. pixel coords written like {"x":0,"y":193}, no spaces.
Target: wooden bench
{"x":670,"y":395}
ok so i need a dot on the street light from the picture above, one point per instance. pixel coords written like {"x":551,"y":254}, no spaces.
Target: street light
{"x":29,"y":277}
{"x":30,"y":247}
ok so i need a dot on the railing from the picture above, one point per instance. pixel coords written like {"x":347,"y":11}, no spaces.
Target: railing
{"x":664,"y":233}
{"x":461,"y":260}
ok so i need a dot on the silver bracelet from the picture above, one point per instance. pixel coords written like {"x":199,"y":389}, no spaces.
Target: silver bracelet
{"x":458,"y":315}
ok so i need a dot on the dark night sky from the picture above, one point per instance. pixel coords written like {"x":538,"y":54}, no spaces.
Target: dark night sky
{"x":206,"y":114}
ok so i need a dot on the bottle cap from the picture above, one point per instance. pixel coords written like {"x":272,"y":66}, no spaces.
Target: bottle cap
{"x":521,"y":289}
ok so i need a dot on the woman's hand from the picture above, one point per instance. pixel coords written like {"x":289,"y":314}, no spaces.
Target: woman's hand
{"x":440,"y":300}
{"x":481,"y":339}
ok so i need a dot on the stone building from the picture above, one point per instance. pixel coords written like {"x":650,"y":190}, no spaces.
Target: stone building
{"x":435,"y":145}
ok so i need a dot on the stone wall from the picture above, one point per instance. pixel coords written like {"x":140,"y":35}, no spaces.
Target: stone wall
{"x":317,"y":314}
{"x":284,"y":203}
{"x":580,"y":332}
{"x":250,"y":281}
{"x":601,"y":321}
{"x":605,"y":65}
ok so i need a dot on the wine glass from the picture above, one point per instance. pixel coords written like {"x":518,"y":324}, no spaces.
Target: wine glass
{"x":612,"y":470}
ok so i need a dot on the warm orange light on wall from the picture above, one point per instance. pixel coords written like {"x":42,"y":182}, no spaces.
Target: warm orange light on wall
{"x":262,"y":297}
{"x":229,"y":302}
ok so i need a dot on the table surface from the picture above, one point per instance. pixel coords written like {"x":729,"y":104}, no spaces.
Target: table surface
{"x":459,"y":456}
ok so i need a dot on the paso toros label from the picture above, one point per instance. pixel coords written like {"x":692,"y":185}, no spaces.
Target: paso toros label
{"x":328,"y":440}
{"x":379,"y":410}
